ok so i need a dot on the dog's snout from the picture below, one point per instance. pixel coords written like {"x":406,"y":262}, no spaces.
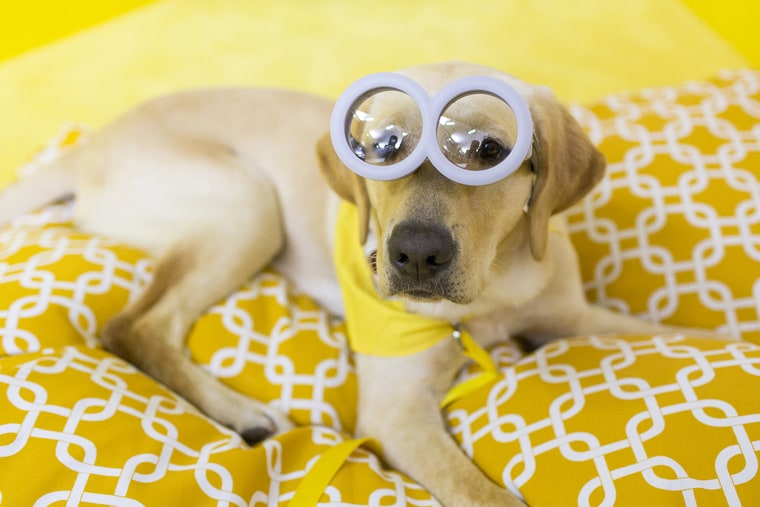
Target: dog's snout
{"x":420,"y":251}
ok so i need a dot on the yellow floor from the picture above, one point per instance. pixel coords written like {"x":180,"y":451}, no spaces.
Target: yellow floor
{"x":64,"y":67}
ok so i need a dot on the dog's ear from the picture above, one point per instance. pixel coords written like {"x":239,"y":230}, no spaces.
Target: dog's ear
{"x":346,"y":183}
{"x":567,"y":166}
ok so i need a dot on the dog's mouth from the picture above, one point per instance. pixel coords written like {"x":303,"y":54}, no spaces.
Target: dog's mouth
{"x":425,"y":294}
{"x":422,"y":295}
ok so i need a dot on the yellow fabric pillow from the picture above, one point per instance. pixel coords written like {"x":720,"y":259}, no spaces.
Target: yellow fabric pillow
{"x":78,"y":425}
{"x":275,"y":344}
{"x":625,"y":421}
{"x":54,"y":278}
{"x":673,"y":231}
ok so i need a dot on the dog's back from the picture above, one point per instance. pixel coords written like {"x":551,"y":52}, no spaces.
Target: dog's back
{"x":200,"y":160}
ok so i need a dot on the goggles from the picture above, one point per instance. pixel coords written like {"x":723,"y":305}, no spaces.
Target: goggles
{"x":381,"y":145}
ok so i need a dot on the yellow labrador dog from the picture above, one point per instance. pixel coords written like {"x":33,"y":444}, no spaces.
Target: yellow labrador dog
{"x":218,"y":184}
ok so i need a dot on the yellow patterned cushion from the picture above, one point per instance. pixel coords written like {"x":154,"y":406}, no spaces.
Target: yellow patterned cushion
{"x":81,"y":426}
{"x":277,"y":345}
{"x":626,"y":421}
{"x":53,"y":277}
{"x":673,"y":231}
{"x":589,"y":421}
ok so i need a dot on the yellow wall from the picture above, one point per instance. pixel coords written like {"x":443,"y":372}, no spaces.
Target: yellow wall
{"x":33,"y":23}
{"x":737,"y":21}
{"x":583,"y":49}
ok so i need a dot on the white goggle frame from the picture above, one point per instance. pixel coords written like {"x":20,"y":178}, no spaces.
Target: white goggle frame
{"x":431,"y":109}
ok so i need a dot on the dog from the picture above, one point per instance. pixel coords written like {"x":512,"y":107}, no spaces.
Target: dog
{"x":217,"y":184}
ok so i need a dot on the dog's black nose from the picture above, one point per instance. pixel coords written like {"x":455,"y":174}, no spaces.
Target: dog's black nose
{"x":419,"y":251}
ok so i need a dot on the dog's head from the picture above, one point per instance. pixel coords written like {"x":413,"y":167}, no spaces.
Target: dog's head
{"x":437,"y":239}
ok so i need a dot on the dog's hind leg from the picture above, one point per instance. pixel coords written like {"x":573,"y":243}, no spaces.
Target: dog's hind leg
{"x":197,"y":271}
{"x":151,"y":334}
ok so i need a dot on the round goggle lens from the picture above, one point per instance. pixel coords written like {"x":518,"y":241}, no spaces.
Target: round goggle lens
{"x":384,"y":127}
{"x":476,"y":131}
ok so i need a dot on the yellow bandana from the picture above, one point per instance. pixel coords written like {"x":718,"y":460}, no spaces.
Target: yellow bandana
{"x":382,"y":327}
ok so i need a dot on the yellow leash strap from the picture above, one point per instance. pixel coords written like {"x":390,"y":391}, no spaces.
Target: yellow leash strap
{"x":316,"y":480}
{"x":476,"y":353}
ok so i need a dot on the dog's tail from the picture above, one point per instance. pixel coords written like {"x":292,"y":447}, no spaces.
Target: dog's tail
{"x":51,"y":182}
